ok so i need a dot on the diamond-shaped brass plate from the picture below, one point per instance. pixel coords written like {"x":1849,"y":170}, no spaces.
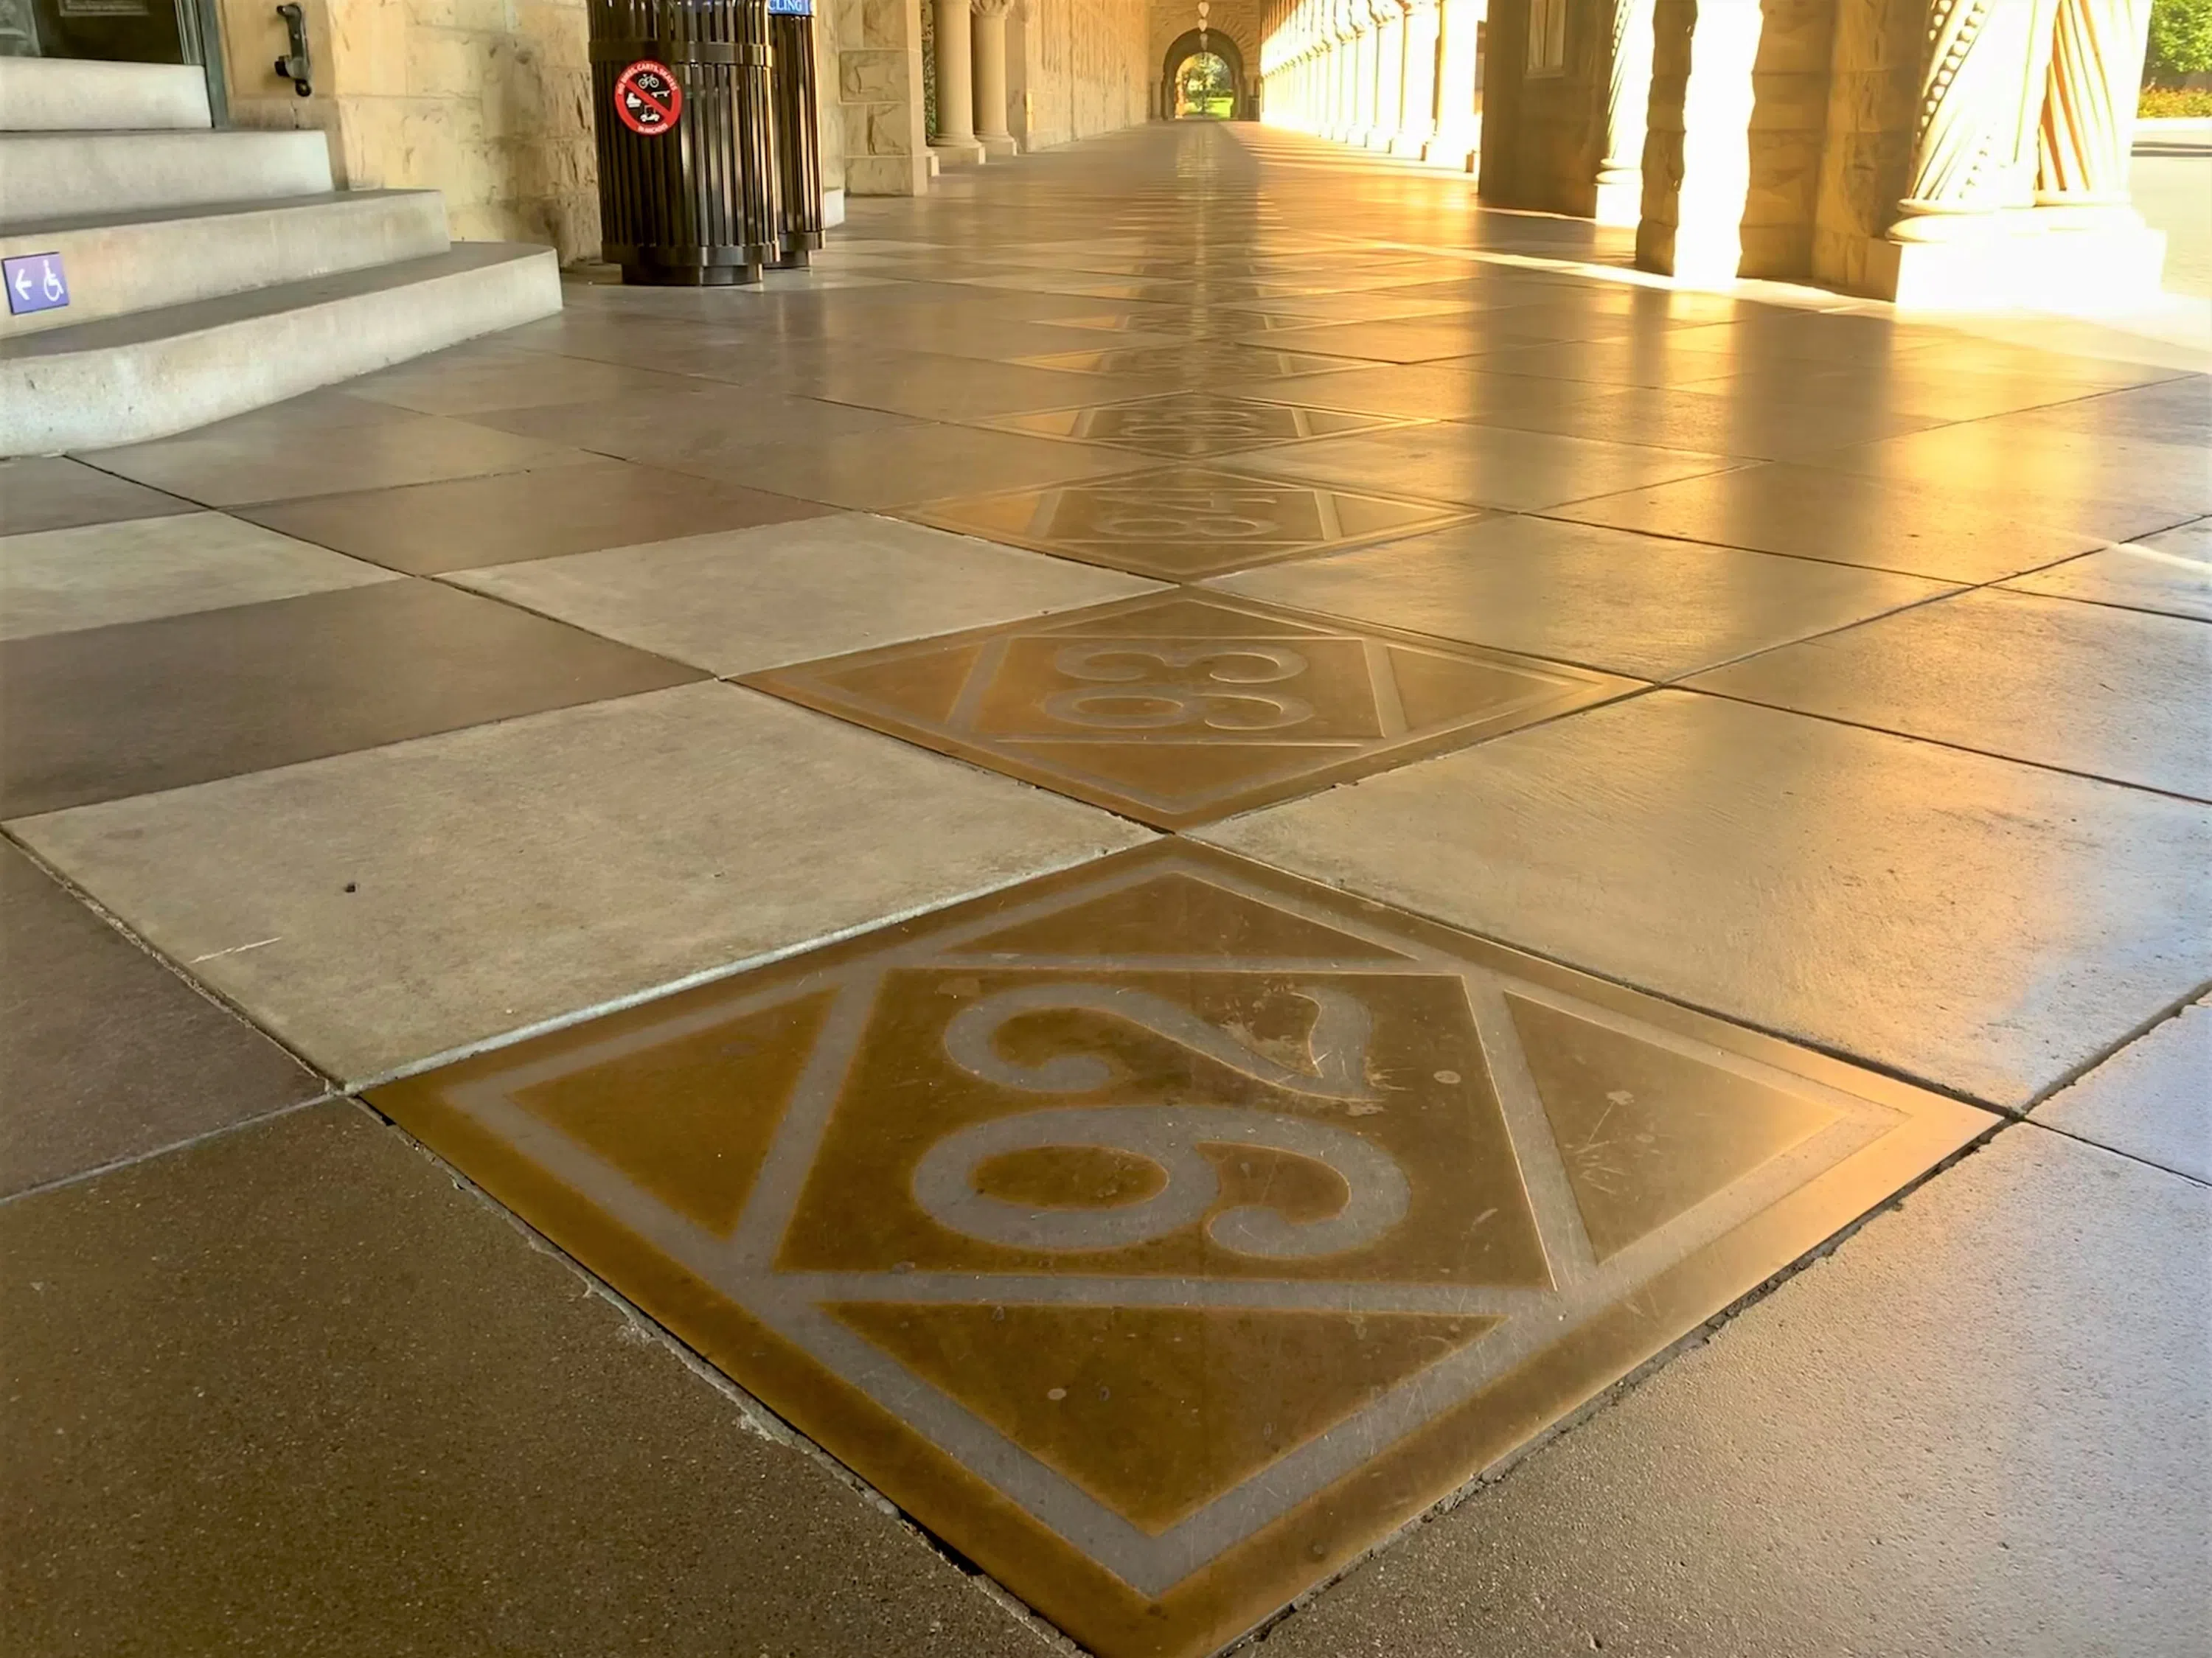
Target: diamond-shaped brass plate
{"x":1164,"y":1233}
{"x":1179,"y":707}
{"x":1205,"y":360}
{"x":1188,"y":425}
{"x":1182,"y":523}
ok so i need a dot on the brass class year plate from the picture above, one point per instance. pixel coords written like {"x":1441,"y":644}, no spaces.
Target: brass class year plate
{"x":1163,"y":1233}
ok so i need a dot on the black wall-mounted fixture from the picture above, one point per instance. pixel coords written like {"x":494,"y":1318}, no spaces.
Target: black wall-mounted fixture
{"x":294,"y":66}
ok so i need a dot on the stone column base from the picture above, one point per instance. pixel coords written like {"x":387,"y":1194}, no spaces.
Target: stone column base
{"x":1457,"y":150}
{"x":958,"y":152}
{"x":2032,"y":260}
{"x":999,"y":147}
{"x":1414,"y":145}
{"x":1620,"y":197}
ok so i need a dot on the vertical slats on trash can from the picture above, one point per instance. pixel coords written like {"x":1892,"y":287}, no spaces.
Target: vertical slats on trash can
{"x":695,"y":204}
{"x":797,"y":143}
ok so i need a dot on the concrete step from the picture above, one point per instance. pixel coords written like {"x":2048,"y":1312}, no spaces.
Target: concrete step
{"x":128,"y":378}
{"x":76,"y":95}
{"x":52,"y":175}
{"x":141,"y":261}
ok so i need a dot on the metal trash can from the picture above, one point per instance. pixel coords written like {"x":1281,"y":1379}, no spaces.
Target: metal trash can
{"x":681,"y":107}
{"x":797,"y":141}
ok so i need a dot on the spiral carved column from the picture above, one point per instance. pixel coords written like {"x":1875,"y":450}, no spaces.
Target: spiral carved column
{"x":2089,"y":117}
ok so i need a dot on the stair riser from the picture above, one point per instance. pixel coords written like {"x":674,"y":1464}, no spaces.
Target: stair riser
{"x":72,"y":95}
{"x":114,"y":270}
{"x":83,"y":175}
{"x":123,"y":394}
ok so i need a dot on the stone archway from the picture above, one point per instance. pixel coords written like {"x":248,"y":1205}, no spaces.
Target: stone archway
{"x":1186,"y":46}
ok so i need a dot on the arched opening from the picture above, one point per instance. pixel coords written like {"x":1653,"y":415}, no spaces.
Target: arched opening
{"x":1204,"y":88}
{"x":1202,"y":77}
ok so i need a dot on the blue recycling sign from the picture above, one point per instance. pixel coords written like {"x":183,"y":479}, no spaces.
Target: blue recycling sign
{"x":35,"y":282}
{"x":791,"y":8}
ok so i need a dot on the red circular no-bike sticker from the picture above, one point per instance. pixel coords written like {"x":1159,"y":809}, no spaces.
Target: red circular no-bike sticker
{"x":648,"y":98}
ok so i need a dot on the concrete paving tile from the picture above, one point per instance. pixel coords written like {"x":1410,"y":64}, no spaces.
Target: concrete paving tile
{"x":745,"y":599}
{"x":98,"y":574}
{"x":1479,"y":466}
{"x":915,"y":463}
{"x":1905,"y":384}
{"x":2177,"y":411}
{"x":1982,"y":925}
{"x":103,"y":713}
{"x":705,"y":418}
{"x":1187,"y":425}
{"x":1429,"y":391}
{"x":1674,"y":417}
{"x":2117,"y":488}
{"x":108,"y":1054}
{"x":52,"y":492}
{"x":221,"y":467}
{"x":1415,"y":339}
{"x":426,"y":529}
{"x":1605,"y":598}
{"x":1920,"y":528}
{"x":2113,"y":692}
{"x":291,"y":1390}
{"x":2171,"y":571}
{"x":431,"y":895}
{"x":2151,"y":1100}
{"x":479,"y":380}
{"x":1981,"y":1428}
{"x":931,"y":387}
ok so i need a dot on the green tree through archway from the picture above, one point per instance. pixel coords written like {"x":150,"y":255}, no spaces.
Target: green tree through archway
{"x":1206,"y":88}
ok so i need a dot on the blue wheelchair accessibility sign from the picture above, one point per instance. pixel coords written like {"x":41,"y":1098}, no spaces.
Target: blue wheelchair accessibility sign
{"x":35,"y":282}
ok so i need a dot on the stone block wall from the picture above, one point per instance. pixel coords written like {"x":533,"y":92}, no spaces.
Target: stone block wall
{"x":1789,"y":86}
{"x":1873,"y":91}
{"x":487,"y":100}
{"x":876,"y":96}
{"x":1076,"y":68}
{"x":1735,"y":143}
{"x":1544,"y":134}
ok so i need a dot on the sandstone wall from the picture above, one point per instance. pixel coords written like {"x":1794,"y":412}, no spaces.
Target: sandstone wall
{"x":875,"y":94}
{"x":1757,"y":135}
{"x":1075,"y":68}
{"x":1873,"y":92}
{"x":488,"y":101}
{"x":1543,"y":135}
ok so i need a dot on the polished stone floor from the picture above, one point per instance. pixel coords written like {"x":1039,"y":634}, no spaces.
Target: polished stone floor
{"x":1204,"y":884}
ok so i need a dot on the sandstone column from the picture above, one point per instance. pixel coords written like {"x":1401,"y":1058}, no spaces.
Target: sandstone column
{"x":1344,"y":81}
{"x":956,"y":87}
{"x":1701,"y":108}
{"x":1974,"y":87}
{"x":1628,"y":95}
{"x":1417,"y":122}
{"x":1458,"y":132}
{"x":1363,"y":74}
{"x":990,"y":77}
{"x":1389,"y":74}
{"x":2089,"y":117}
